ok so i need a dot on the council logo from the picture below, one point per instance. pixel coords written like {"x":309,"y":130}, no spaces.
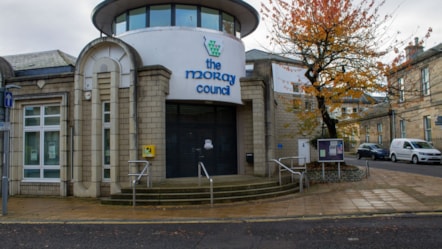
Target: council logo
{"x":214,"y":46}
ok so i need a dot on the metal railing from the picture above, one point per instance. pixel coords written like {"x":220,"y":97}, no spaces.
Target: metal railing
{"x":293,"y":170}
{"x":137,"y":176}
{"x":201,"y":167}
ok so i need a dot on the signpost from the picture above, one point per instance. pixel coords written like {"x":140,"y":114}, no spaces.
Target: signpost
{"x":5,"y":104}
{"x":331,"y":150}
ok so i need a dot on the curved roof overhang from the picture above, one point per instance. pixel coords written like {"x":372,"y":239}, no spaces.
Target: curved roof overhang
{"x":104,"y":13}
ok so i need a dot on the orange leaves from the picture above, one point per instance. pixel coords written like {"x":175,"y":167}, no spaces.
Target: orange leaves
{"x":337,"y":42}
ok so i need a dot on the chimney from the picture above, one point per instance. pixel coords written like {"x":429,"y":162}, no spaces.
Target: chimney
{"x":412,"y":51}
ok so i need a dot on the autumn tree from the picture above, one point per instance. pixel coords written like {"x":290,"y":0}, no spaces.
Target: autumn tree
{"x":338,"y":43}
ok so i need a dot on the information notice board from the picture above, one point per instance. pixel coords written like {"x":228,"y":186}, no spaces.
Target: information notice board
{"x":331,"y":150}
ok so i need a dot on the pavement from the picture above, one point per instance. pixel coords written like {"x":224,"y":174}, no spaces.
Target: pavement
{"x":384,"y":192}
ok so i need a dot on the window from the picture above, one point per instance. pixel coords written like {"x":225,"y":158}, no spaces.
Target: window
{"x":367,"y":134}
{"x":209,"y":18}
{"x":42,"y":143}
{"x":228,"y":24}
{"x":307,"y":105}
{"x":166,"y":15}
{"x":120,"y":24}
{"x":402,"y":128}
{"x":425,"y":78}
{"x":344,"y":110}
{"x":427,"y":128}
{"x":106,"y":141}
{"x":379,"y":125}
{"x":401,"y":90}
{"x":186,"y":16}
{"x":137,"y":18}
{"x":160,"y":15}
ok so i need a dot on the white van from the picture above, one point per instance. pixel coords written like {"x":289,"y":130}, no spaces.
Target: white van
{"x":414,"y":150}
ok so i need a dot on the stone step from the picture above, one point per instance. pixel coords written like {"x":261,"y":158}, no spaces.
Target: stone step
{"x":199,"y":198}
{"x":185,"y":194}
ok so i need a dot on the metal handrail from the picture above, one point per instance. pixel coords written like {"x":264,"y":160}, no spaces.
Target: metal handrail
{"x":291,"y":158}
{"x":282,"y":167}
{"x":138,"y":176}
{"x":201,"y":166}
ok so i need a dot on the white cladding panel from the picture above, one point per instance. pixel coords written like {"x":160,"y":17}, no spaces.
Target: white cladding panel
{"x":205,"y":65}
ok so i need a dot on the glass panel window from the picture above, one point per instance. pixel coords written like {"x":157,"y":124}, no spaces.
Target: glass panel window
{"x":228,"y":24}
{"x":51,"y":148}
{"x":42,"y":143}
{"x":425,"y":77}
{"x":32,"y":116}
{"x":32,"y":148}
{"x":402,"y":127}
{"x":210,"y":18}
{"x":137,"y":18}
{"x":106,"y":141}
{"x":160,"y":15}
{"x":52,"y":115}
{"x":401,"y":90}
{"x":120,"y":24}
{"x":186,"y":15}
{"x":237,"y":29}
{"x":367,"y":134}
{"x":427,"y":128}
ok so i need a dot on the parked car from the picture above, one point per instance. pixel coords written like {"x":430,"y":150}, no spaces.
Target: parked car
{"x":372,"y":150}
{"x":414,"y":150}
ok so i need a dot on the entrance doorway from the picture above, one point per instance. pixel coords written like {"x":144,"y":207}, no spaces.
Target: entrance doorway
{"x":187,"y":127}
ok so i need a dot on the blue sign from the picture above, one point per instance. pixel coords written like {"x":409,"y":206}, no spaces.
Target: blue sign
{"x":8,"y":100}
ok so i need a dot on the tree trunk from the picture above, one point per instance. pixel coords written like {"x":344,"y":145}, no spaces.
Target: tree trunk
{"x":326,"y":119}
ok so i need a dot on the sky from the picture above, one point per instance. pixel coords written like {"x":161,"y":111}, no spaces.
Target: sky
{"x":28,"y":26}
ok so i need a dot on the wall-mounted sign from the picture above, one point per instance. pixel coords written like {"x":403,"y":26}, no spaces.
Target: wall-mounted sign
{"x":148,"y":150}
{"x":438,"y":120}
{"x":206,"y":66}
{"x":289,"y":79}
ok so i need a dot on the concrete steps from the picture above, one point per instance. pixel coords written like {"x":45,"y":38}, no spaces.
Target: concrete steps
{"x":186,"y":193}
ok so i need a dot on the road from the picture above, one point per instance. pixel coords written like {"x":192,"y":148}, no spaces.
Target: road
{"x":379,"y":232}
{"x":423,"y":169}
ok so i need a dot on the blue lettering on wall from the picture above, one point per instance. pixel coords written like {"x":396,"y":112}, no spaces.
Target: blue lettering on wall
{"x":212,"y":73}
{"x":213,"y":89}
{"x":209,"y":75}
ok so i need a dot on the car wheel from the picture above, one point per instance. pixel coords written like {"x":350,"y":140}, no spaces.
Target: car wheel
{"x":393,"y":158}
{"x":415,"y":160}
{"x":373,"y":156}
{"x":358,"y":155}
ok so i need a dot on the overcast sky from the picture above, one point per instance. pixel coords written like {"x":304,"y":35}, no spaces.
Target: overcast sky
{"x":40,"y":25}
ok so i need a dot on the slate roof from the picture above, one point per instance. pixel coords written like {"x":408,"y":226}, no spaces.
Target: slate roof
{"x":46,"y":59}
{"x":256,"y":55}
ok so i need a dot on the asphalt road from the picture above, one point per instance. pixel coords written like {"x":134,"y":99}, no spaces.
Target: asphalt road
{"x":423,"y":169}
{"x":379,"y":232}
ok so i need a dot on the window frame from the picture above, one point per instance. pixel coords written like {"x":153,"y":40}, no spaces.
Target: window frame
{"x":106,"y":126}
{"x":425,"y":81}
{"x":402,"y":128}
{"x":45,"y":150}
{"x":401,"y":83}
{"x":427,"y":128}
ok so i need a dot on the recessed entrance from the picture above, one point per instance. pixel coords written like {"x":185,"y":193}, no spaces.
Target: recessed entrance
{"x":187,"y":126}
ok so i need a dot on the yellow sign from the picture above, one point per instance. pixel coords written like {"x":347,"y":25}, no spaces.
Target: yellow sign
{"x":148,"y":150}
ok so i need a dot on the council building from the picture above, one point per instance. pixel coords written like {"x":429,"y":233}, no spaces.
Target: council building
{"x":163,"y":79}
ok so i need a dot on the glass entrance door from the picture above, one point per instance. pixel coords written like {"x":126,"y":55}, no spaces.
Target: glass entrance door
{"x":187,"y":127}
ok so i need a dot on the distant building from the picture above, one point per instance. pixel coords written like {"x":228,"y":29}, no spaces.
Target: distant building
{"x":414,"y":104}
